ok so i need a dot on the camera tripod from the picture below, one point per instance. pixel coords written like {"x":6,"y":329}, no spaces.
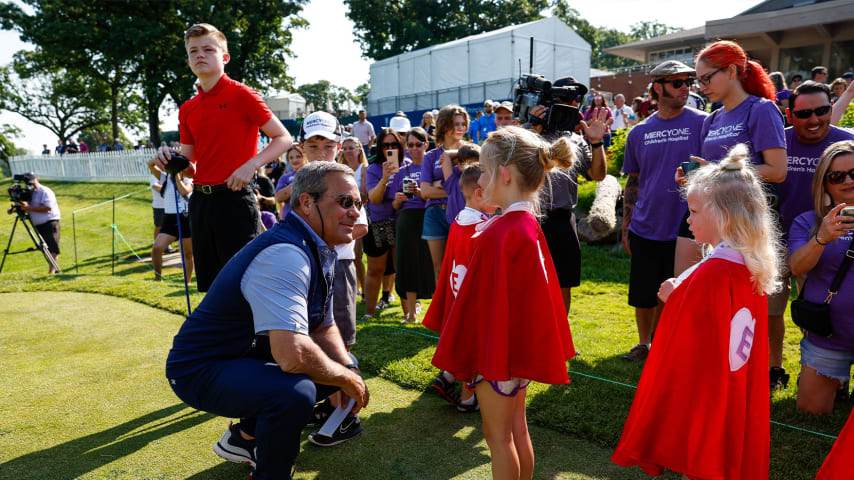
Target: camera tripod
{"x":38,"y":241}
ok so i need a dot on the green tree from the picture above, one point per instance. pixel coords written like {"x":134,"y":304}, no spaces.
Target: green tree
{"x":361,"y":94}
{"x":317,"y":95}
{"x":58,"y":101}
{"x":342,"y":101}
{"x":7,"y":147}
{"x":136,"y":47}
{"x":571,"y":17}
{"x":386,"y":28}
{"x":649,"y":29}
{"x":606,"y":38}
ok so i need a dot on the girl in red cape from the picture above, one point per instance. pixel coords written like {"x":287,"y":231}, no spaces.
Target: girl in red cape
{"x":837,"y":465}
{"x":702,"y":408}
{"x":508,"y":325}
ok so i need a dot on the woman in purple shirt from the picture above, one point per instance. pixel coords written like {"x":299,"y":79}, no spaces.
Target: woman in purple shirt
{"x":378,"y":244}
{"x":818,"y":241}
{"x":414,"y":278}
{"x":451,"y":124}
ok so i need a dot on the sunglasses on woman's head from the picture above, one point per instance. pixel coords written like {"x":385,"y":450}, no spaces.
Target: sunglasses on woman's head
{"x":679,"y":82}
{"x":807,"y":112}
{"x":835,"y":177}
{"x":394,"y":145}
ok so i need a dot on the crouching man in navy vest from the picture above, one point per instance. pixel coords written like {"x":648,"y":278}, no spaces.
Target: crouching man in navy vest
{"x":262,"y":346}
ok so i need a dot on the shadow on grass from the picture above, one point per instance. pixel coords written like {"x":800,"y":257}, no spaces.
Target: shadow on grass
{"x":82,"y":455}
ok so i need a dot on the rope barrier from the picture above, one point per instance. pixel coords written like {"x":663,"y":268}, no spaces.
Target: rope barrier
{"x":109,"y":201}
{"x":116,"y":229}
{"x":407,"y":330}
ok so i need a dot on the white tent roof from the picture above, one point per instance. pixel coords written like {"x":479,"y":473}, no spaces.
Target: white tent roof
{"x":484,"y":58}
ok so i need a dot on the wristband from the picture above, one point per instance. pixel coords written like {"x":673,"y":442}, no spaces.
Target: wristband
{"x":818,"y":241}
{"x":597,"y":144}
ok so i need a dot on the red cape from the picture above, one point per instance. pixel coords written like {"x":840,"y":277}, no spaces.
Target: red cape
{"x":458,"y":252}
{"x":702,"y":406}
{"x":838,"y":464}
{"x":508,"y":319}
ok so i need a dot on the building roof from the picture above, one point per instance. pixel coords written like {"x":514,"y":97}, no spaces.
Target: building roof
{"x":637,"y":50}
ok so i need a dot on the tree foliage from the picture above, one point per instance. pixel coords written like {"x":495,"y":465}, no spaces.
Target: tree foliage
{"x":388,"y":27}
{"x":136,"y":47}
{"x":7,"y":147}
{"x":58,"y":101}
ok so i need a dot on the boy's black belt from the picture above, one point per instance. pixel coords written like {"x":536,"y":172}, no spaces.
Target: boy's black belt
{"x":211,"y":189}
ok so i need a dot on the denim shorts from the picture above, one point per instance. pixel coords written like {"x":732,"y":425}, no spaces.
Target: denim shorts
{"x":436,"y":226}
{"x":835,"y":364}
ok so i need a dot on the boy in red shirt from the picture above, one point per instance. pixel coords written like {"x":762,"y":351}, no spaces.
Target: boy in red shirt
{"x":219,"y":135}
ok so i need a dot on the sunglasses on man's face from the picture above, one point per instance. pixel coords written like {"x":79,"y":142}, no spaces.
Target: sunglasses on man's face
{"x":807,"y":112}
{"x":680,"y":81}
{"x":347,"y":202}
{"x":835,"y":177}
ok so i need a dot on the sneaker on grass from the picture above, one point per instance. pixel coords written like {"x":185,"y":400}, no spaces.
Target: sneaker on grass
{"x":444,"y":388}
{"x":778,"y":377}
{"x":350,"y":428}
{"x":464,"y":407}
{"x":638,"y":353}
{"x":321,"y":412}
{"x":234,"y":448}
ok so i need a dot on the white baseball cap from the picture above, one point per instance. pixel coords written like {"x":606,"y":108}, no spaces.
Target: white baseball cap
{"x":399,"y":124}
{"x":323,"y":124}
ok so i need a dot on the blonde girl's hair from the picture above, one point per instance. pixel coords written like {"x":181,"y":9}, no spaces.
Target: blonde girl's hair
{"x":445,"y":121}
{"x":526,"y":151}
{"x":427,"y":120}
{"x":739,"y":206}
{"x":822,"y":203}
{"x":363,"y":159}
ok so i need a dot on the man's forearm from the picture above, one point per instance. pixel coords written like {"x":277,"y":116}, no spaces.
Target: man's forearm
{"x":329,"y":340}
{"x":630,"y":198}
{"x":305,"y":356}
{"x":599,"y":165}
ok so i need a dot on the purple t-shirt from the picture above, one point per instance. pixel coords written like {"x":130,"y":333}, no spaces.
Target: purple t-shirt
{"x":795,"y":193}
{"x":755,"y":121}
{"x":431,"y":171}
{"x":819,"y":280}
{"x":456,"y":201}
{"x":285,"y":180}
{"x":654,"y":149}
{"x":384,"y":210}
{"x":412,"y":171}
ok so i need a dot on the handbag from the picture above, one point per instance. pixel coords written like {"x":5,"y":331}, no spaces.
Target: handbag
{"x":381,"y":231}
{"x":815,"y":317}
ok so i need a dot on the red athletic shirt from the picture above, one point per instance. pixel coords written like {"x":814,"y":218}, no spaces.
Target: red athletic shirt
{"x":222,"y":126}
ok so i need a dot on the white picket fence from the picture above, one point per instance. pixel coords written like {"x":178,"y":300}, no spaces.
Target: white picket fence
{"x":121,"y":166}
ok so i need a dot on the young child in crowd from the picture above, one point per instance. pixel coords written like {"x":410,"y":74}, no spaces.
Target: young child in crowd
{"x":458,"y":252}
{"x":453,"y":161}
{"x":714,"y":328}
{"x":508,"y":325}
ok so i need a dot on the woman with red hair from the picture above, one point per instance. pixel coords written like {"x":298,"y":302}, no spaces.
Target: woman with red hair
{"x":748,"y":115}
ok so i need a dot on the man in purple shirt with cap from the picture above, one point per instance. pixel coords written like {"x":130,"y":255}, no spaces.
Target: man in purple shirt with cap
{"x":652,"y":205}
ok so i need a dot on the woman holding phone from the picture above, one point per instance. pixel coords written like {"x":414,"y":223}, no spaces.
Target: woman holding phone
{"x":379,"y":242}
{"x":451,"y":124}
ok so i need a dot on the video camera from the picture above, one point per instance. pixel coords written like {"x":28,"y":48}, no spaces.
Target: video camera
{"x":532,"y":90}
{"x":22,"y":192}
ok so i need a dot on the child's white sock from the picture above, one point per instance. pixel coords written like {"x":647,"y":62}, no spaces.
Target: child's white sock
{"x":468,"y":401}
{"x":450,"y":378}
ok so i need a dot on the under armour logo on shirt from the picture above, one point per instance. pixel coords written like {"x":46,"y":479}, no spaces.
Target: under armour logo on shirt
{"x":222,"y":105}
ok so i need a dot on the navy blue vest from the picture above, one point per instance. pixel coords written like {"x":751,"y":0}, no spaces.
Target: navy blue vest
{"x":222,"y":325}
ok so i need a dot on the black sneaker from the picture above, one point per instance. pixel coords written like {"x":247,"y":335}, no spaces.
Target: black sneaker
{"x":444,"y":388}
{"x":468,"y":408}
{"x":779,"y":378}
{"x":234,"y":448}
{"x":350,"y":428}
{"x":321,"y":412}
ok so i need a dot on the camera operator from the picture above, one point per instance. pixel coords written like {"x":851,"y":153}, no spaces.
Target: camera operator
{"x":560,"y":194}
{"x":44,"y":212}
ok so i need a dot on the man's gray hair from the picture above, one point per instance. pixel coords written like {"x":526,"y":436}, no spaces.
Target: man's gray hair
{"x":311,"y":179}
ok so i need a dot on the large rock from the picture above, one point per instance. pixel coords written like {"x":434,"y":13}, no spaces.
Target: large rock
{"x":603,"y":214}
{"x":588,"y":235}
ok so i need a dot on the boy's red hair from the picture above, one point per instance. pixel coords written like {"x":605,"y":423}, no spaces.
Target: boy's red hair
{"x":754,"y":79}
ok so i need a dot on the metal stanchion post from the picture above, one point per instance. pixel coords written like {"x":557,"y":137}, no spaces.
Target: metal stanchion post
{"x":74,"y":229}
{"x":113,"y":226}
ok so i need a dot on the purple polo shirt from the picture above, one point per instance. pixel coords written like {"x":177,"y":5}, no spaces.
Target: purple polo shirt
{"x":431,"y":171}
{"x":654,"y":149}
{"x":412,"y":171}
{"x":795,"y":193}
{"x":456,"y":201}
{"x":819,"y":280}
{"x":385,"y":210}
{"x":755,"y":121}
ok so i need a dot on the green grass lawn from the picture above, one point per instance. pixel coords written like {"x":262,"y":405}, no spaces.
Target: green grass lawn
{"x":585,"y":417}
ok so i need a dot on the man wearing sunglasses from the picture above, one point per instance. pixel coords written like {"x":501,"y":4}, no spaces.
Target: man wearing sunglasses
{"x":263,"y":346}
{"x":652,"y":206}
{"x":811,"y":133}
